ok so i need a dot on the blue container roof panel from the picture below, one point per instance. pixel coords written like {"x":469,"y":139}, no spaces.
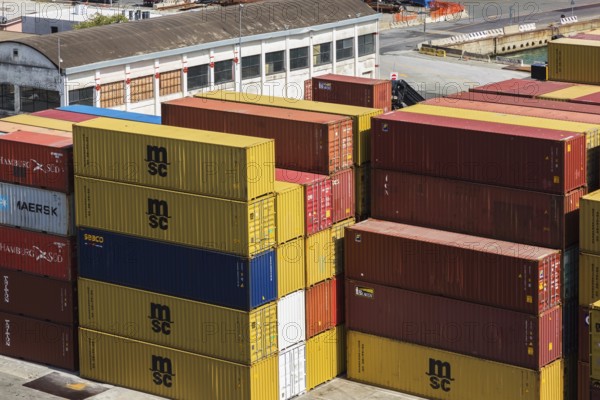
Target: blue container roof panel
{"x":109,"y":113}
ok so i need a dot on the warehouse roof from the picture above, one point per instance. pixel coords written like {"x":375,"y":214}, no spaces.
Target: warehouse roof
{"x":111,"y":42}
{"x":6,"y":36}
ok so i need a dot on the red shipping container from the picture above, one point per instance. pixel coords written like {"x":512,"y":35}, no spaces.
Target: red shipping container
{"x":514,"y":215}
{"x":522,"y":87}
{"x":470,"y":268}
{"x":318,"y":202}
{"x":38,"y":297}
{"x":38,"y":253}
{"x":37,"y":159}
{"x":324,"y":306}
{"x":304,"y":140}
{"x":354,"y":91}
{"x":584,"y":334}
{"x":308,"y":89}
{"x":479,"y":151}
{"x":496,"y":334}
{"x":64,"y":115}
{"x":39,"y":341}
{"x":583,"y":381}
{"x":342,"y":194}
{"x":590,"y":99}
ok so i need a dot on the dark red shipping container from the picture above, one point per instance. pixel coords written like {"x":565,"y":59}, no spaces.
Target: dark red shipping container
{"x":590,"y":99}
{"x":64,"y":115}
{"x":584,"y":334}
{"x":304,"y":140}
{"x":514,"y":215}
{"x":594,"y":393}
{"x":318,"y":202}
{"x":38,"y":253}
{"x":585,"y":36}
{"x":479,"y":151}
{"x":38,"y":297}
{"x":36,"y":159}
{"x":324,"y":306}
{"x":308,"y":89}
{"x":342,"y":194}
{"x":39,"y":341}
{"x":522,"y":87}
{"x":496,"y":334}
{"x":583,"y":381}
{"x":470,"y":268}
{"x":354,"y":91}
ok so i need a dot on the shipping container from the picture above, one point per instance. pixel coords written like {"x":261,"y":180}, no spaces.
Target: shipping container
{"x":304,"y":141}
{"x":594,"y":321}
{"x":589,"y":234}
{"x":569,"y":281}
{"x":38,"y":160}
{"x":570,"y":328}
{"x":211,"y":277}
{"x":319,"y":257}
{"x":361,"y":116}
{"x":589,"y":278}
{"x":290,"y":267}
{"x":351,"y":90}
{"x":436,"y":374}
{"x":574,"y":60}
{"x":524,"y":278}
{"x":521,"y":216}
{"x":117,"y":114}
{"x":571,"y":93}
{"x":242,"y":228}
{"x":291,"y":320}
{"x":595,"y":392}
{"x":38,"y":253}
{"x":173,"y":373}
{"x":324,"y":306}
{"x":292,"y":371}
{"x":342,"y":195}
{"x":521,"y":87}
{"x":570,"y":378}
{"x":308,"y":89}
{"x":583,"y":332}
{"x":325,"y":356}
{"x":62,"y":115}
{"x":42,"y":122}
{"x":362,"y":187}
{"x":289,"y":211}
{"x":318,"y":202}
{"x":497,"y":334}
{"x":36,"y":209}
{"x":7,"y":127}
{"x":38,"y":297}
{"x":225,"y":333}
{"x":591,"y":99}
{"x":337,"y":241}
{"x":188,"y":160}
{"x":475,"y":146}
{"x":583,"y":381}
{"x":39,"y":341}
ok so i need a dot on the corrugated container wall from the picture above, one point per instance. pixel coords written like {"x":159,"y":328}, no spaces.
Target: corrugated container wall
{"x":362,"y":187}
{"x":570,"y":377}
{"x":574,"y":60}
{"x":325,"y":356}
{"x":521,"y":87}
{"x":292,"y":371}
{"x":589,"y":232}
{"x":589,"y":278}
{"x":38,"y":253}
{"x":63,"y":115}
{"x":319,"y":257}
{"x":116,"y":114}
{"x":187,"y":160}
{"x":529,"y":341}
{"x":342,"y":195}
{"x":242,"y":228}
{"x":569,"y":265}
{"x":337,"y":241}
{"x":36,"y":209}
{"x":583,"y":381}
{"x":289,"y":211}
{"x":595,"y":342}
{"x":39,"y":341}
{"x":534,"y":218}
{"x":470,"y":268}
{"x":290,"y":267}
{"x":583,"y":328}
{"x":42,"y":122}
{"x":570,"y":328}
{"x":436,"y":374}
{"x":37,"y":159}
{"x":305,"y":141}
{"x":8,"y":127}
{"x":173,"y":373}
{"x":291,"y":320}
{"x":324,"y":306}
{"x":356,"y":91}
{"x":218,"y":278}
{"x":225,"y":333}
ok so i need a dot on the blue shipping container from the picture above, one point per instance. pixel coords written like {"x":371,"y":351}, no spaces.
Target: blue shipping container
{"x":223,"y":279}
{"x":117,"y":114}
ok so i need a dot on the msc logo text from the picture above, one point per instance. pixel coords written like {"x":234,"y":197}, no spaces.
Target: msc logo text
{"x":158,"y":214}
{"x":162,"y":371}
{"x":157,"y":160}
{"x":440,"y":374}
{"x":160,"y":317}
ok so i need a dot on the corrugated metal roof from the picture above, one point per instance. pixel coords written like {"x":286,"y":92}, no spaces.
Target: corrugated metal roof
{"x":110,"y":42}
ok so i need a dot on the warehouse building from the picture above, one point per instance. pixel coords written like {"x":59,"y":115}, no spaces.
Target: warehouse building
{"x":137,"y":65}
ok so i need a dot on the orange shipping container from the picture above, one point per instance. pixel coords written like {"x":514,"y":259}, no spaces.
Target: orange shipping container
{"x":324,"y":306}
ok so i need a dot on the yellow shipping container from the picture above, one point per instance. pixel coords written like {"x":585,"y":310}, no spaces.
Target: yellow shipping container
{"x":319,"y":257}
{"x":173,"y":373}
{"x":595,"y":343}
{"x":337,"y":241}
{"x":589,"y":279}
{"x":361,"y":116}
{"x":41,"y":122}
{"x":290,"y":267}
{"x":238,"y":336}
{"x":362,"y":190}
{"x":325,"y":356}
{"x":589,"y":223}
{"x":6,"y":127}
{"x":289,"y":206}
{"x":574,"y":60}
{"x":569,"y":93}
{"x":214,"y":164}
{"x":436,"y":374}
{"x":242,"y":228}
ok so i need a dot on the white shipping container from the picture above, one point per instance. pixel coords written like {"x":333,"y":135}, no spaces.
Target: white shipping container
{"x":291,"y":319}
{"x":36,"y":209}
{"x":292,"y":371}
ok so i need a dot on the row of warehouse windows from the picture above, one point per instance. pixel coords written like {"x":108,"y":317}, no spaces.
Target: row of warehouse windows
{"x":113,"y":94}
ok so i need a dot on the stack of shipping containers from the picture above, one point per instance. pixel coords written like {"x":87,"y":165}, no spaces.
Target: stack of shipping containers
{"x":351,"y":90}
{"x":178,"y":278}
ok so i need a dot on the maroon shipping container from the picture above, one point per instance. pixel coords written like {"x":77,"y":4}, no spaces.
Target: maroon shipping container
{"x":583,"y":381}
{"x":590,"y":99}
{"x":585,"y":36}
{"x":522,"y":87}
{"x":64,"y":115}
{"x":354,"y":91}
{"x":479,"y":151}
{"x":342,"y":194}
{"x":318,"y":202}
{"x":304,"y":140}
{"x":514,"y":215}
{"x":37,"y":159}
{"x":308,"y":89}
{"x":497,"y":334}
{"x":324,"y":306}
{"x":584,"y":334}
{"x":470,"y":268}
{"x":38,"y":253}
{"x":594,"y":393}
{"x":38,"y":297}
{"x":39,"y":341}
